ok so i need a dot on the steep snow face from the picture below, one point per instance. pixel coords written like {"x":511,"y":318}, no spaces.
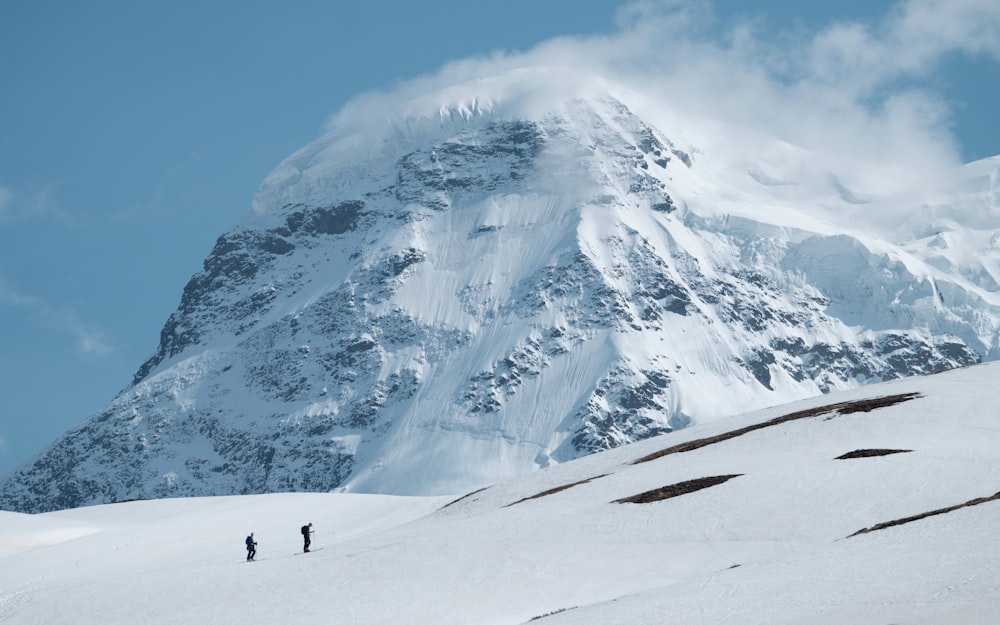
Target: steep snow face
{"x":468,"y":296}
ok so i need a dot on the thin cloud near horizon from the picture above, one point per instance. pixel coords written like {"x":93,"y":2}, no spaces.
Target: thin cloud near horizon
{"x":88,"y":339}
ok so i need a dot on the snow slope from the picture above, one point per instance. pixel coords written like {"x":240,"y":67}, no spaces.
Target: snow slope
{"x":772,"y":544}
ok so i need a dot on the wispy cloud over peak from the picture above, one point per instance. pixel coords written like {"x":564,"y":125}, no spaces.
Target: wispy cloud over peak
{"x":855,"y":90}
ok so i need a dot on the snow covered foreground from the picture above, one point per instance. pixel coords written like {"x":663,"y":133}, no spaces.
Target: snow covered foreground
{"x":771,"y":545}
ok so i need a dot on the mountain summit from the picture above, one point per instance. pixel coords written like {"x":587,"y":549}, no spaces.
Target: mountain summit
{"x":494,"y":279}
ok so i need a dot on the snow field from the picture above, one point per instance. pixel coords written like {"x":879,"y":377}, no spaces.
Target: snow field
{"x":770,"y":546}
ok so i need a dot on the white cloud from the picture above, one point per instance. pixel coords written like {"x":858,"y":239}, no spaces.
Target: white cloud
{"x":89,"y":339}
{"x":5,"y":201}
{"x":10,"y":297}
{"x":852,"y":89}
{"x":910,"y":42}
{"x":17,"y":205}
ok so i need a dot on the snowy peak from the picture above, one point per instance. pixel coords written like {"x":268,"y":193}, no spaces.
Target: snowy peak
{"x":471,"y":293}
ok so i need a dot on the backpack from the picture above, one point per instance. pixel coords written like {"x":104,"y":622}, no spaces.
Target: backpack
{"x":249,"y":541}
{"x":305,"y":530}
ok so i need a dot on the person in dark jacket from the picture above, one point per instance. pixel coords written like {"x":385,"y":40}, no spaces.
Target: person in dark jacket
{"x":251,"y":547}
{"x":306,"y":531}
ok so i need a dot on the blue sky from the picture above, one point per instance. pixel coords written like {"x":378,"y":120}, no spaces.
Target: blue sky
{"x":133,"y":134}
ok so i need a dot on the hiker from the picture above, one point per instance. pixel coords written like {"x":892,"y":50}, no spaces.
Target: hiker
{"x":251,"y":547}
{"x":306,"y":530}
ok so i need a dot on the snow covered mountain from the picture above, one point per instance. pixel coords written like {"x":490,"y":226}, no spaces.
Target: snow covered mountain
{"x":869,"y":506}
{"x":496,"y":280}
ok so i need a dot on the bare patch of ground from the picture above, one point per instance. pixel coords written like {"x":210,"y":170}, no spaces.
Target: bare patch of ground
{"x":848,"y":407}
{"x":555,"y":490}
{"x":674,"y":490}
{"x":466,"y":496}
{"x":869,"y":453}
{"x":538,"y":618}
{"x":917,"y":517}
